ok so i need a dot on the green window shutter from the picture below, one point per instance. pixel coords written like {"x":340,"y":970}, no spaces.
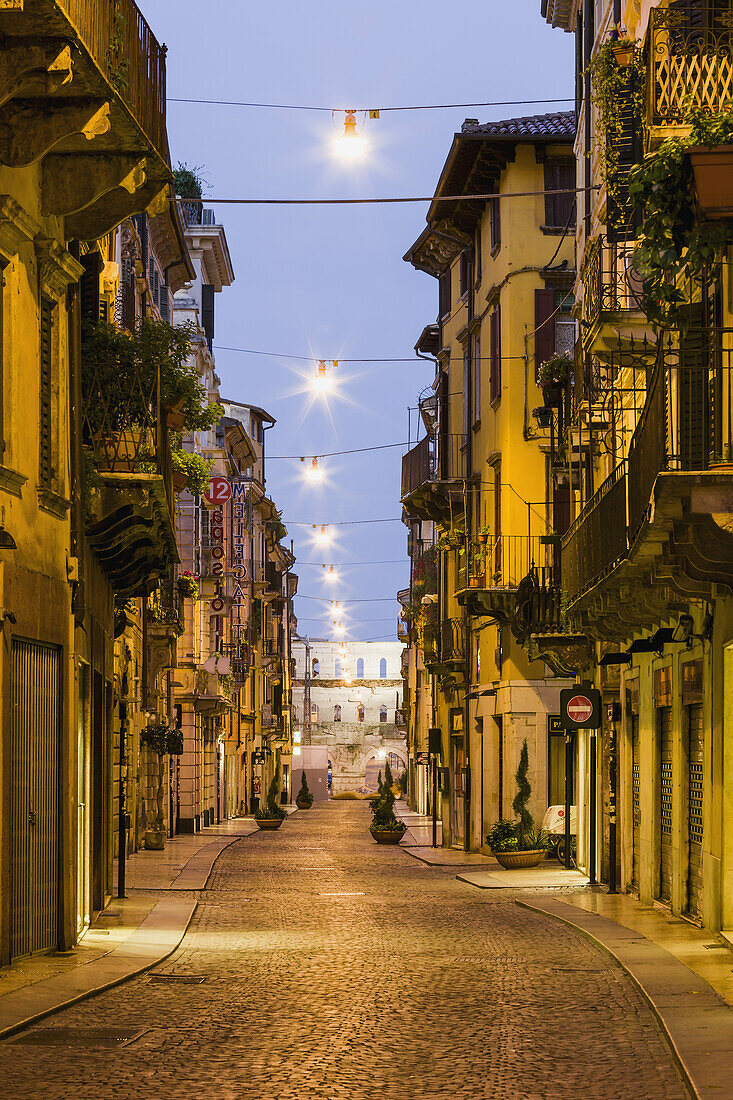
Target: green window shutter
{"x":46,"y":472}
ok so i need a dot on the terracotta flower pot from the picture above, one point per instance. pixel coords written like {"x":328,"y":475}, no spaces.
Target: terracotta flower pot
{"x":713,"y":171}
{"x":118,"y":452}
{"x":512,"y":860}
{"x":387,"y":836}
{"x":269,"y":822}
{"x":482,"y":538}
{"x":476,"y":582}
{"x":624,"y":56}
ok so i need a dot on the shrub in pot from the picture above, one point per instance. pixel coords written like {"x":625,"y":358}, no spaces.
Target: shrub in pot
{"x":304,"y":798}
{"x":385,"y":827}
{"x":272,"y":815}
{"x":516,"y":844}
{"x":156,"y":738}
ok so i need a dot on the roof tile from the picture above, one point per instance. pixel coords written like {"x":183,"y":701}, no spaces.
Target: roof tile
{"x":557,"y":124}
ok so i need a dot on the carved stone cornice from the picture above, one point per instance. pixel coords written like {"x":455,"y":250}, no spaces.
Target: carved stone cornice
{"x":52,"y":502}
{"x":17,"y":227}
{"x":11,"y":481}
{"x":57,"y":267}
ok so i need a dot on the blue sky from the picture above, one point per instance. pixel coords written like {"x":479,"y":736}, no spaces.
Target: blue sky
{"x":331,"y":281}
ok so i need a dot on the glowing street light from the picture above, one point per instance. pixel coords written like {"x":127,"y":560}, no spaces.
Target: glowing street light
{"x":331,"y":575}
{"x":321,"y":382}
{"x":313,"y":472}
{"x":323,"y":536}
{"x":351,"y":145}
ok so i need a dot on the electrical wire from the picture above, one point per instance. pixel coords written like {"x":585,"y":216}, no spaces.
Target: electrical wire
{"x":353,"y":564}
{"x":391,"y":199}
{"x":360,"y":110}
{"x":325,"y":599}
{"x":342,"y":522}
{"x":334,"y":454}
{"x":314,"y":358}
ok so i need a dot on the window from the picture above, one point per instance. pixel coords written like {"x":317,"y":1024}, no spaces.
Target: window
{"x":360,"y":712}
{"x":464,"y":268}
{"x":315,"y":667}
{"x":476,"y":379}
{"x":466,"y":387}
{"x":495,"y":354}
{"x":477,"y":254}
{"x":3,"y":265}
{"x":382,"y":713}
{"x":495,"y":225}
{"x":338,"y":669}
{"x":383,"y":669}
{"x":559,"y":209}
{"x":444,"y":289}
{"x":497,"y":518}
{"x":46,"y":471}
{"x":337,"y":713}
{"x":360,"y":668}
{"x":314,"y":713}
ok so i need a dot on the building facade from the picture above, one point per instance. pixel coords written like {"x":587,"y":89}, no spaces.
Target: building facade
{"x":482,"y":510}
{"x":355,"y":692}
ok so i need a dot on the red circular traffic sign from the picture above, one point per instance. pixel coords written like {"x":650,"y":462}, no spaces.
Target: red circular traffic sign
{"x":220,"y":490}
{"x":579,"y":709}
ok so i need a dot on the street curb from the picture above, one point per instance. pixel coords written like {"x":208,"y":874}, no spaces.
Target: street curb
{"x":686,"y":1074}
{"x":21,"y":1025}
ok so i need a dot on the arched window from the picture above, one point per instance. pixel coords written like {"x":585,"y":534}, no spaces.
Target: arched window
{"x":360,"y":668}
{"x":383,"y":669}
{"x":337,"y":713}
{"x":382,"y":713}
{"x":360,"y":712}
{"x":316,"y":666}
{"x":338,"y":669}
{"x":314,"y":713}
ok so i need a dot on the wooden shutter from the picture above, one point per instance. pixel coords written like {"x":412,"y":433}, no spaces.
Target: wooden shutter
{"x":544,"y":336}
{"x":207,"y":312}
{"x":625,"y":150}
{"x":495,"y":335}
{"x":165,"y":305}
{"x":45,"y":454}
{"x":89,"y":288}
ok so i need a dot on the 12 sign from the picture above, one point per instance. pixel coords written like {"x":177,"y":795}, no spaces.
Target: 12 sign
{"x":220,"y":490}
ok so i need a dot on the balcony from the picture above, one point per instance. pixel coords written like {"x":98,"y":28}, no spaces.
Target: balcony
{"x":129,"y":497}
{"x":596,"y":541}
{"x":681,"y":466}
{"x":96,"y":77}
{"x":433,"y":473}
{"x":691,"y":52}
{"x":612,"y":293}
{"x":490,"y":573}
{"x":445,"y":645}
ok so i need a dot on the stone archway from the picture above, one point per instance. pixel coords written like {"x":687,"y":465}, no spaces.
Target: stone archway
{"x":374,"y":763}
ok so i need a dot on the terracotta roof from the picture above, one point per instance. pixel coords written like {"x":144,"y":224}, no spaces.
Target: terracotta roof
{"x":558,"y":124}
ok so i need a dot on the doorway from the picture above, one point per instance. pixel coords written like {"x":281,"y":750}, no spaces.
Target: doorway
{"x":635,"y":801}
{"x":695,"y":792}
{"x":35,"y":690}
{"x":664,"y":805}
{"x":83,"y":891}
{"x":458,"y":764}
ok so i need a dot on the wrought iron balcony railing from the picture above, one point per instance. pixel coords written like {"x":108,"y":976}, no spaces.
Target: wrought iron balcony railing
{"x":126,"y":51}
{"x":165,"y":606}
{"x":686,"y":424}
{"x":436,"y":458}
{"x":502,"y":560}
{"x":597,"y":539}
{"x":445,"y":642}
{"x":691,"y":59}
{"x":610,"y":283}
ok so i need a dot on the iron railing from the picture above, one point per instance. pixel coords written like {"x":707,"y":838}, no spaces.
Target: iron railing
{"x":597,"y":539}
{"x":123,"y":420}
{"x":538,"y":609}
{"x":435,"y":458}
{"x":126,"y":51}
{"x":610,"y":283}
{"x":502,"y":560}
{"x":453,"y":640}
{"x":686,"y":424}
{"x":165,"y":605}
{"x":691,"y":60}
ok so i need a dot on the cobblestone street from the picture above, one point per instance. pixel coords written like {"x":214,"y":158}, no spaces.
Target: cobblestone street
{"x":320,"y":965}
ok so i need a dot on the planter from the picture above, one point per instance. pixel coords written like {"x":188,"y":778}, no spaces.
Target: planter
{"x":387,"y":836}
{"x":552,"y":393}
{"x":543,"y":416}
{"x":179,"y":480}
{"x":511,"y":860}
{"x":624,"y":56}
{"x":154,"y":841}
{"x":175,"y":417}
{"x":713,"y":171}
{"x":476,"y":582}
{"x":482,"y":538}
{"x":303,"y":805}
{"x":118,"y":452}
{"x":269,"y":822}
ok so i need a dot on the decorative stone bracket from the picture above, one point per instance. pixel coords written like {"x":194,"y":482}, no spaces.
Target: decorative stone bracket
{"x":27,"y":135}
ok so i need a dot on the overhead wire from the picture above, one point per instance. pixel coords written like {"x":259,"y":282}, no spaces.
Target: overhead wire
{"x":360,"y":110}
{"x":500,"y":195}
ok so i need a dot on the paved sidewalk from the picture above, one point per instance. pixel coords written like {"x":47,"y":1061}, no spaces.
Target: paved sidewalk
{"x":129,"y":936}
{"x":698,"y":1022}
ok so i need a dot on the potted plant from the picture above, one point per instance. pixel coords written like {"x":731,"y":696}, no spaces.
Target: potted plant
{"x":190,"y":471}
{"x":711,"y":159}
{"x":189,"y":184}
{"x":622,"y":46}
{"x":515,"y":844}
{"x":272,"y":815}
{"x":553,"y":376}
{"x":304,"y":798}
{"x":543,"y":416}
{"x":188,"y":586}
{"x":155,"y":738}
{"x":385,"y":827}
{"x":482,"y":536}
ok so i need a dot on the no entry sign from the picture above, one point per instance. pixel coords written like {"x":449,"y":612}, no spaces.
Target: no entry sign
{"x":580,"y":708}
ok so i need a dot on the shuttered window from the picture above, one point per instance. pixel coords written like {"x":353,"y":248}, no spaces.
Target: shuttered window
{"x":207,"y":312}
{"x":444,"y":294}
{"x":165,"y":306}
{"x":495,"y":224}
{"x":476,"y":379}
{"x":128,"y":295}
{"x":544,"y":336}
{"x":495,"y":354}
{"x":559,"y":177}
{"x":46,"y":472}
{"x":466,"y":387}
{"x":3,"y":265}
{"x":624,"y":151}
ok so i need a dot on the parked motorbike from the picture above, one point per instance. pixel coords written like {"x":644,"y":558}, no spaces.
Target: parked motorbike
{"x":553,"y":823}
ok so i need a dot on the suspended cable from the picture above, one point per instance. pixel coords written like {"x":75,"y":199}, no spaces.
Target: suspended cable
{"x":392,"y":199}
{"x":314,"y":359}
{"x":334,"y":454}
{"x":325,"y":599}
{"x":360,"y":110}
{"x":353,"y":564}
{"x":341,"y":523}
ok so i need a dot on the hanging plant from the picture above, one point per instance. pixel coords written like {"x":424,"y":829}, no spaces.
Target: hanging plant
{"x":674,"y":246}
{"x":155,"y":738}
{"x":188,"y":585}
{"x":194,"y":468}
{"x":174,"y":742}
{"x":555,"y":370}
{"x":614,"y":88}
